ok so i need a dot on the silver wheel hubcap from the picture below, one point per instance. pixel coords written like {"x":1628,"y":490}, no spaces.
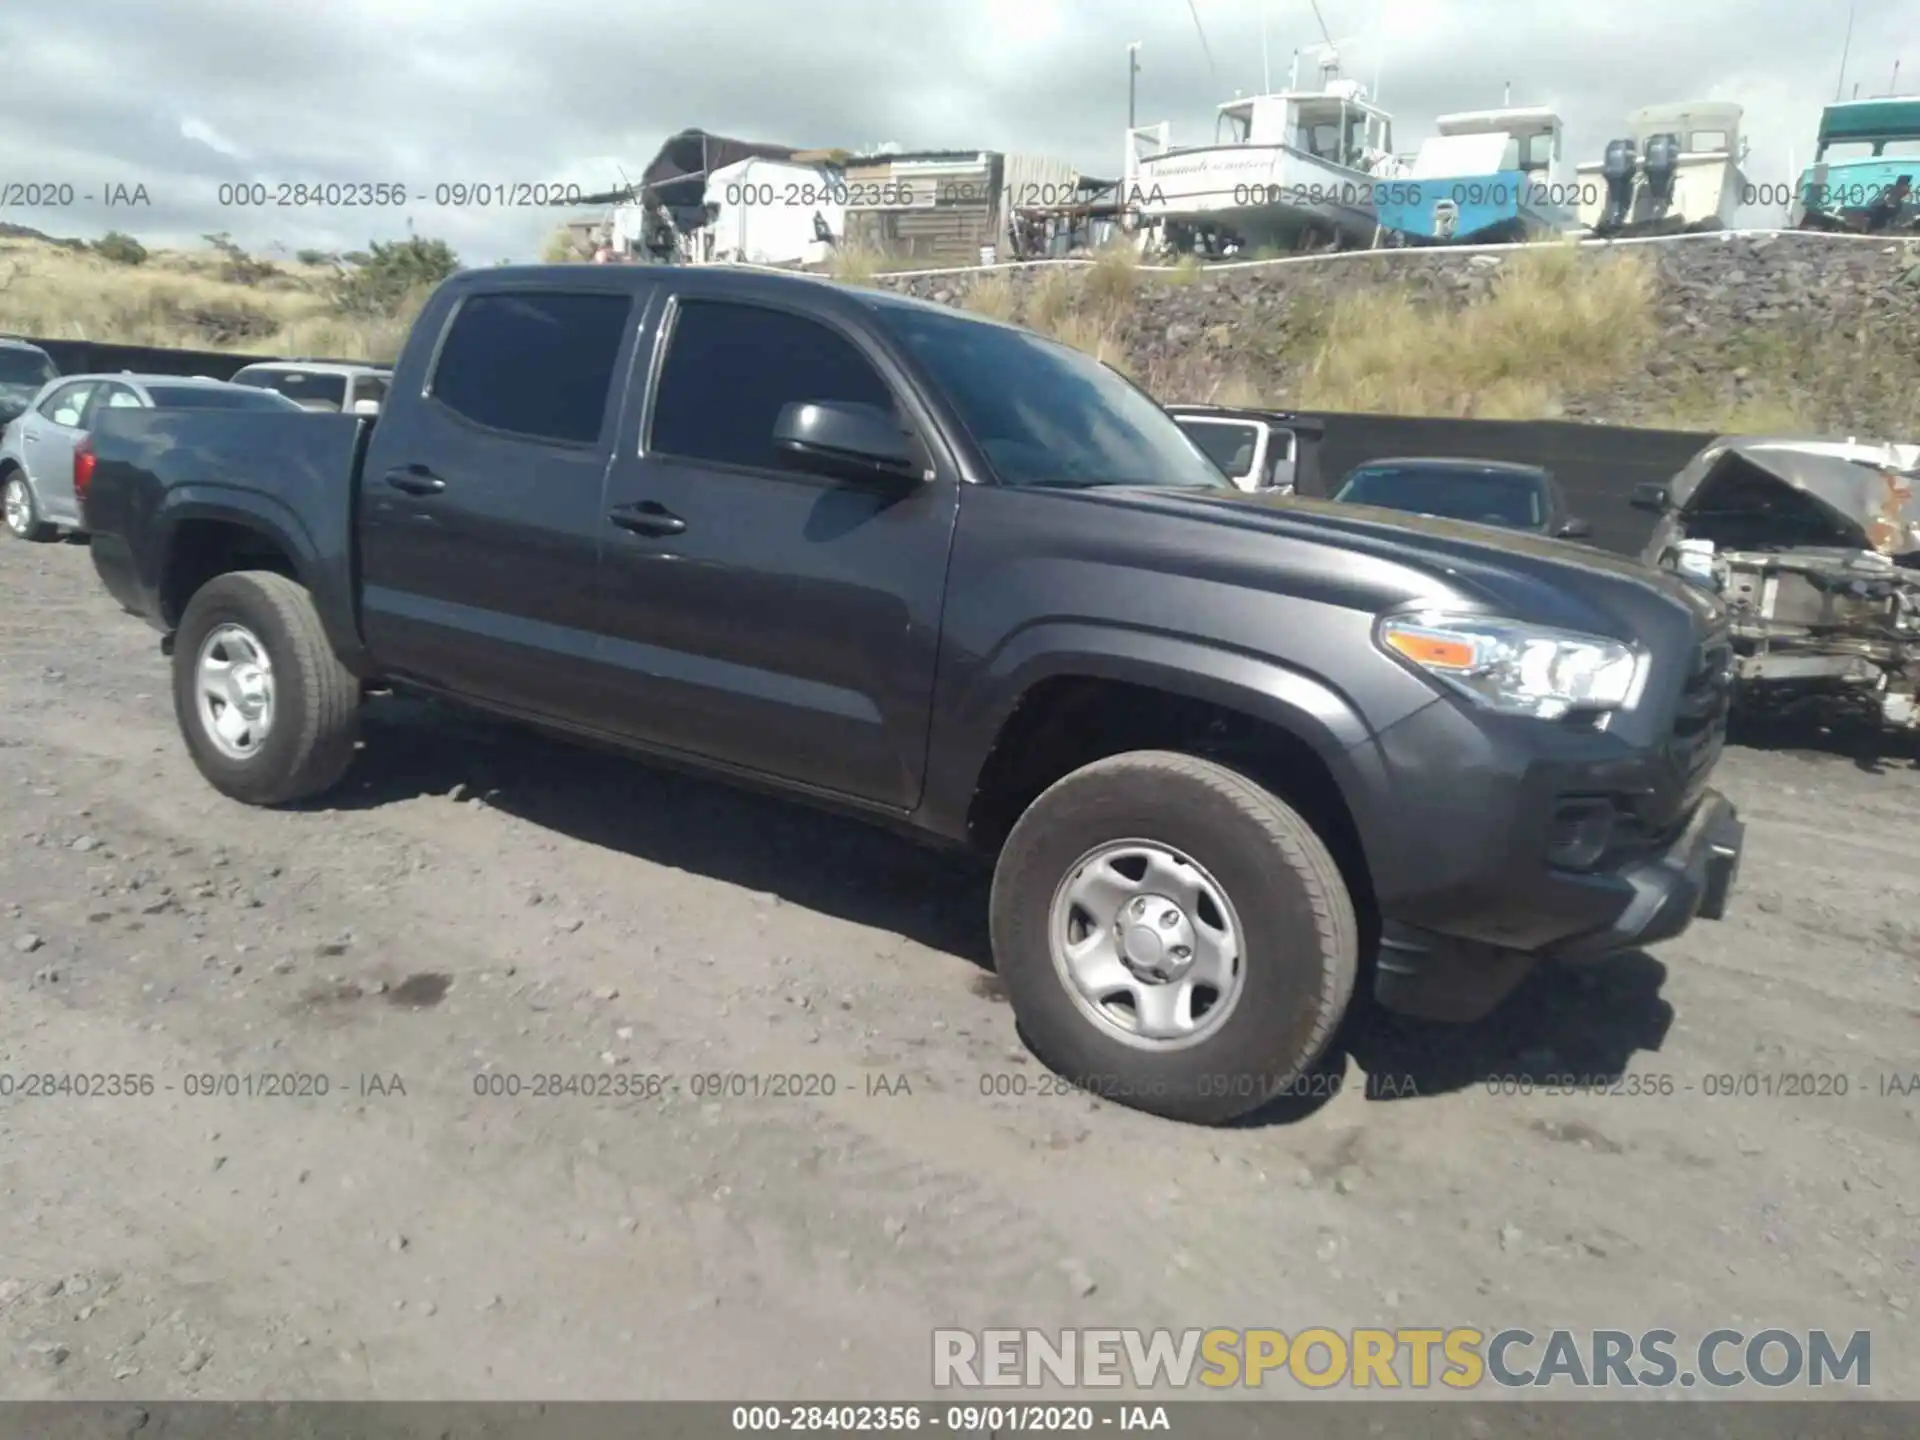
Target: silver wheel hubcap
{"x":1147,"y":944}
{"x":233,"y":682}
{"x":19,"y":506}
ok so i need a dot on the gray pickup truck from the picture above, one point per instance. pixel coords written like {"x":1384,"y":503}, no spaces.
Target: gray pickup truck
{"x":1229,"y":754}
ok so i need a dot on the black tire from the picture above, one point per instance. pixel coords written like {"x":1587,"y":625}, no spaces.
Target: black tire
{"x":1299,"y":949}
{"x":36,"y":530}
{"x":316,"y":701}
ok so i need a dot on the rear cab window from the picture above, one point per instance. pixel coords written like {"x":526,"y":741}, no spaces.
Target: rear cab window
{"x":1232,"y":445}
{"x":316,"y":390}
{"x":536,"y":365}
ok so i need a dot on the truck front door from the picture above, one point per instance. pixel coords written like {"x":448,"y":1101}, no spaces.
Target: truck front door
{"x":775,"y":621}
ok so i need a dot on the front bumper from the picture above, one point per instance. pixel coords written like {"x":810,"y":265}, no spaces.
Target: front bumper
{"x":1440,"y":977}
{"x":1690,"y":880}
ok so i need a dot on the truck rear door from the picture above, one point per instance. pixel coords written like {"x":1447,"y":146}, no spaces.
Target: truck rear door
{"x":776,"y":621}
{"x":481,"y":514}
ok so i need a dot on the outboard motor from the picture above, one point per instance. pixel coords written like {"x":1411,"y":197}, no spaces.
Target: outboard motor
{"x":1663,"y":165}
{"x":1618,"y":167}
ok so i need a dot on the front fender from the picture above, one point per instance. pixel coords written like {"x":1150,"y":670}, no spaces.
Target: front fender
{"x":322,"y":564}
{"x":1260,"y":687}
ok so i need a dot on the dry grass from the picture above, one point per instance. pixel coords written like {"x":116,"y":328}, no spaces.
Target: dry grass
{"x":180,"y":300}
{"x":1550,"y":326}
{"x":1554,"y":324}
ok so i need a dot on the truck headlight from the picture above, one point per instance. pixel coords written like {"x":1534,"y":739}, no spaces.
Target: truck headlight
{"x":1515,"y":668}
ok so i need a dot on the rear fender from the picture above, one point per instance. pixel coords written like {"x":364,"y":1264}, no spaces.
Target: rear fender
{"x":323,"y":565}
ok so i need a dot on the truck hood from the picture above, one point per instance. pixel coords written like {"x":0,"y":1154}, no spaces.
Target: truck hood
{"x":1859,"y":493}
{"x":1504,"y":571}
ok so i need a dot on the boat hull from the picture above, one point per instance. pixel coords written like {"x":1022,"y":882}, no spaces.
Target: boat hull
{"x":1506,"y":205}
{"x":1848,"y":193}
{"x":1263,"y":195}
{"x":1706,"y":188}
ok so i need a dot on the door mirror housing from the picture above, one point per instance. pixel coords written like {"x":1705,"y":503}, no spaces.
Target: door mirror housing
{"x":1574,"y":529}
{"x":1651,"y":497}
{"x":859,"y":443}
{"x":365,"y":407}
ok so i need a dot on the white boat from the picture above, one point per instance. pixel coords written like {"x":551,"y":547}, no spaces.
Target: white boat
{"x":1288,"y":168}
{"x":1678,"y":167}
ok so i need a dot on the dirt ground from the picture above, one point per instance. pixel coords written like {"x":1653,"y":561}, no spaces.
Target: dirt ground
{"x":480,"y":903}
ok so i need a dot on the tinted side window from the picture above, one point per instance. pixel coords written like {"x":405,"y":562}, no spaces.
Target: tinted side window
{"x":730,"y":370}
{"x":535,"y":364}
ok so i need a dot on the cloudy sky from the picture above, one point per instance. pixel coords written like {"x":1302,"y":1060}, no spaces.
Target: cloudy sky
{"x":182,"y":97}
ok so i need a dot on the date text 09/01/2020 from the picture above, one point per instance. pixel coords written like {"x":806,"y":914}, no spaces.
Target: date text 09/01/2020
{"x":1417,"y":192}
{"x":388,"y":194}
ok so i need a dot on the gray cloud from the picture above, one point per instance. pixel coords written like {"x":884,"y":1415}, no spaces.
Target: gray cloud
{"x":488,"y":92}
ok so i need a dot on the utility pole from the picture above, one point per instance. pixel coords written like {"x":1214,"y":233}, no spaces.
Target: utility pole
{"x":1133,"y":71}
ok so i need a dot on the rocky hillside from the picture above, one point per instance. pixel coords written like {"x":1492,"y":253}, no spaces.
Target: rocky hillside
{"x":1726,"y":331}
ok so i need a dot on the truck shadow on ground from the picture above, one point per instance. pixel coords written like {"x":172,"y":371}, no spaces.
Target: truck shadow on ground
{"x":1560,"y":1029}
{"x":828,"y":863}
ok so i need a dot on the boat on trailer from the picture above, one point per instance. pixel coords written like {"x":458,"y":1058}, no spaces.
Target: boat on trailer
{"x":1677,"y":169}
{"x":1487,"y":177}
{"x":1288,"y":170}
{"x":1864,"y":167}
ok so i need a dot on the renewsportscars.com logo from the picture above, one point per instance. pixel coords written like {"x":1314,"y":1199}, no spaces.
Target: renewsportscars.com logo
{"x":1403,"y":1358}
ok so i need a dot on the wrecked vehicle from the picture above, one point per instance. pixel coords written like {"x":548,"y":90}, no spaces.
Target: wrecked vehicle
{"x":1814,"y":548}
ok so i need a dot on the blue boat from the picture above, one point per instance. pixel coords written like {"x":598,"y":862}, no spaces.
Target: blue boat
{"x":1854,"y":183}
{"x":1488,"y":177}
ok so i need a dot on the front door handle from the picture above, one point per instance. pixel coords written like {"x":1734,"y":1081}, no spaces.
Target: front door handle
{"x":415,"y":480}
{"x":648,"y":517}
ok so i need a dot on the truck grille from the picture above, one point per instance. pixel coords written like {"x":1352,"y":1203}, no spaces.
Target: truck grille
{"x":1700,"y":719}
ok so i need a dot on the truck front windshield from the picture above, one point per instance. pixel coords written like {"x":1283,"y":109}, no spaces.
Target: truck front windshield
{"x":1047,"y":415}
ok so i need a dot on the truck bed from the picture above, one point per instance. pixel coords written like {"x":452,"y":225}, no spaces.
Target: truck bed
{"x":156,"y":469}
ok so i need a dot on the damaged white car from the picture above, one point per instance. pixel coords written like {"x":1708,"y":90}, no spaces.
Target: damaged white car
{"x":1814,"y":548}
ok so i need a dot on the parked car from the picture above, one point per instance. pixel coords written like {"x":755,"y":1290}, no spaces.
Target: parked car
{"x":44,"y":450}
{"x":321,"y":384}
{"x":958,"y":579}
{"x":1814,"y":548}
{"x":24,"y":369}
{"x":1256,"y":449}
{"x":1485,"y":492}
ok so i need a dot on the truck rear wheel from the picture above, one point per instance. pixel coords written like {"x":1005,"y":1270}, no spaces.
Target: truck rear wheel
{"x":1172,"y":936}
{"x":268,"y":713}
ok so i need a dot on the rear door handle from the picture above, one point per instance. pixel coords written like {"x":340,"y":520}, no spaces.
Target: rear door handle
{"x":415,"y":480}
{"x":648,"y":517}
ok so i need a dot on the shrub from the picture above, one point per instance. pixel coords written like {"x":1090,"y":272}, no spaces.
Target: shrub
{"x":120,"y":249}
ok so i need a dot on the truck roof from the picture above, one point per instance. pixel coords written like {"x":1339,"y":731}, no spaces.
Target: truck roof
{"x":1249,"y":413}
{"x":319,"y":367}
{"x":747,"y":282}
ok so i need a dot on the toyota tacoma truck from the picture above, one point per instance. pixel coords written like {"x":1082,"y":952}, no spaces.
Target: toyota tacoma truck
{"x":1231,"y":755}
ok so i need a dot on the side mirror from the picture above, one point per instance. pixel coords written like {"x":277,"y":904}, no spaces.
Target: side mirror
{"x":365,"y":407}
{"x":1651,"y":497}
{"x":860,"y":443}
{"x":1574,"y":530}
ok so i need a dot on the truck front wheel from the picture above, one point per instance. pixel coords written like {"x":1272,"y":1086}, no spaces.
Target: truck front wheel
{"x":1172,"y":936}
{"x":269,"y":714}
